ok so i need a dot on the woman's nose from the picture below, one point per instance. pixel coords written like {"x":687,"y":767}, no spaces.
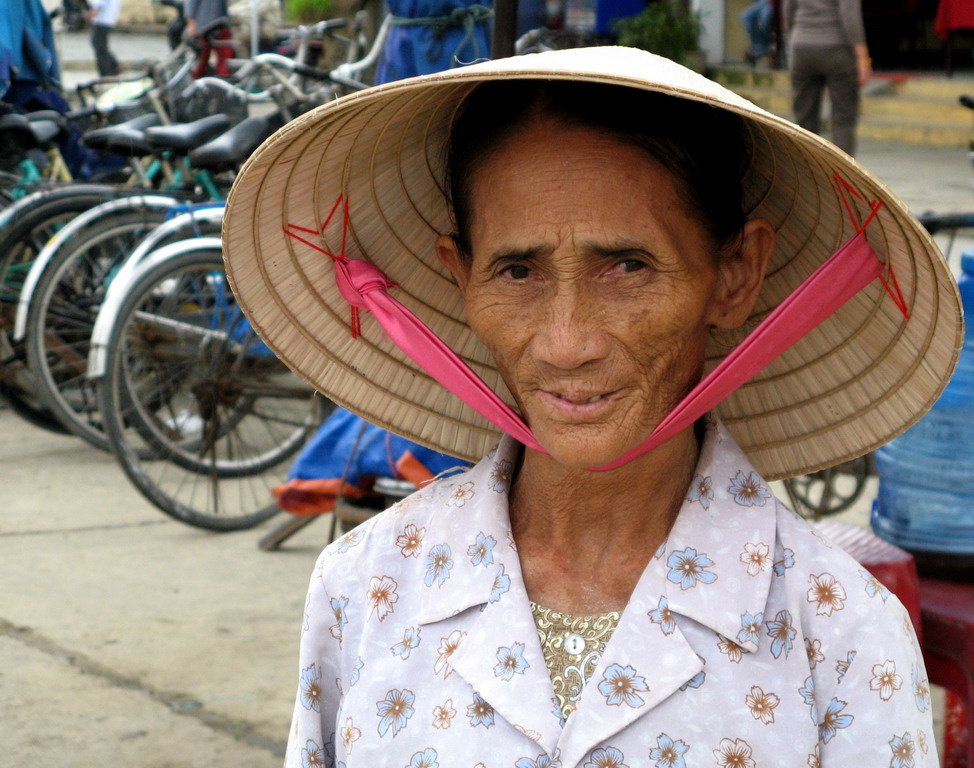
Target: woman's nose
{"x":570,"y":330}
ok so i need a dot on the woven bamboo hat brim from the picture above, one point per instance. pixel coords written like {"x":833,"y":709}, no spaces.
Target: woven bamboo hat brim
{"x":862,"y":377}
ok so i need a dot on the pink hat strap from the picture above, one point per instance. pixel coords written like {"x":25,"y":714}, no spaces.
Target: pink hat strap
{"x":847,"y":271}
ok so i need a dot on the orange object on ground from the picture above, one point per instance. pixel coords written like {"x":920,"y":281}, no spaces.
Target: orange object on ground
{"x":315,"y":497}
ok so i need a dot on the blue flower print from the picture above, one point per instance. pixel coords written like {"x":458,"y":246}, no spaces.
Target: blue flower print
{"x":500,"y":476}
{"x":621,"y":685}
{"x":424,"y":759}
{"x":921,"y":689}
{"x":661,"y":615}
{"x":748,"y":491}
{"x":606,"y":757}
{"x":750,"y":628}
{"x":687,"y":568}
{"x":781,"y":632}
{"x":787,"y":561}
{"x":312,"y":756}
{"x":557,"y":712}
{"x":694,"y":682}
{"x":311,"y":687}
{"x":842,"y":665}
{"x":394,"y":710}
{"x":668,"y":753}
{"x":502,"y":583}
{"x":439,"y":563}
{"x":541,"y":761}
{"x":903,"y":749}
{"x":481,"y":552}
{"x":833,"y":721}
{"x":356,"y":671}
{"x":874,"y":587}
{"x":480,"y":712}
{"x":410,"y":640}
{"x":510,"y":662}
{"x":701,"y":490}
{"x":338,"y":606}
{"x":807,"y":692}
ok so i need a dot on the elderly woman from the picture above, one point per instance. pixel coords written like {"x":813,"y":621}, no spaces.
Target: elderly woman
{"x":595,"y":250}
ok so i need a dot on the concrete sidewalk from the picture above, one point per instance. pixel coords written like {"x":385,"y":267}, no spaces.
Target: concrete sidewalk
{"x":127,"y":639}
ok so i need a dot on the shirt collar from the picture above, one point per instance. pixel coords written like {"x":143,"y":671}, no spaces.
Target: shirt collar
{"x":715,"y":567}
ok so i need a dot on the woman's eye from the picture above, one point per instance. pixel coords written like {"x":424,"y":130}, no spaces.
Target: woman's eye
{"x":631,"y":265}
{"x":518,"y":272}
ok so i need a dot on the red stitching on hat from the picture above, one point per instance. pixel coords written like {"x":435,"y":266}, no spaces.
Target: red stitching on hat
{"x":342,"y":276}
{"x":892,"y":285}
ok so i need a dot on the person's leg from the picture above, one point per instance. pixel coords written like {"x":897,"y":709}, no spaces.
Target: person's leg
{"x":203,"y":62}
{"x":756,"y":20}
{"x":807,"y":82}
{"x":224,"y":51}
{"x":104,"y":60}
{"x":843,"y":85}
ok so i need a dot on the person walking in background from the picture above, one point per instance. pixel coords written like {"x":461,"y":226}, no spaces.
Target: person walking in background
{"x":827,"y":49}
{"x":757,"y":20}
{"x":103,"y":15}
{"x":199,"y":14}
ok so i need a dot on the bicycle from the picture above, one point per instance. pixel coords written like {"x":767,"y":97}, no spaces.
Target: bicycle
{"x":197,"y":410}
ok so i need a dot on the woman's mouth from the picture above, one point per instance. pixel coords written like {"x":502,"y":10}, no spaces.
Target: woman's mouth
{"x":577,"y":404}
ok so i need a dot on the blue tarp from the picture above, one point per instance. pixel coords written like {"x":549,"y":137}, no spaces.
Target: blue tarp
{"x":345,"y":456}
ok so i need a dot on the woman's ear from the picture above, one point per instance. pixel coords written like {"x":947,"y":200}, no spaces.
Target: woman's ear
{"x":742,"y":275}
{"x":450,"y":256}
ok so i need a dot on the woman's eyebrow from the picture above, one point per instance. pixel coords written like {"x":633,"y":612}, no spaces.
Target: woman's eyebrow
{"x":510,"y":254}
{"x":618,"y":248}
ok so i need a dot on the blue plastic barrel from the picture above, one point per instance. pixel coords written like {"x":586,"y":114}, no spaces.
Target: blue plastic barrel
{"x":926,"y":476}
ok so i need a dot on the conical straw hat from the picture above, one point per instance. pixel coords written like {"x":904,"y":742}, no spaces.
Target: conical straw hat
{"x":857,"y":380}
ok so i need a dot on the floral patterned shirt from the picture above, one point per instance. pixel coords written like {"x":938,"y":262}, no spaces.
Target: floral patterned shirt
{"x":749,"y":642}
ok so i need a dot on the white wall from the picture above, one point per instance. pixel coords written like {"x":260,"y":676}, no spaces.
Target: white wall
{"x":712,"y":17}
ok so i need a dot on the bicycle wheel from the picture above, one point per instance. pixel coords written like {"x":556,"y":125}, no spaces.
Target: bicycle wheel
{"x":201,"y":416}
{"x":62,"y":315}
{"x":831,"y":490}
{"x":25,"y":227}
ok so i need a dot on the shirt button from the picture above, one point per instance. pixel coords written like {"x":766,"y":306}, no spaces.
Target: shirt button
{"x":574,"y":643}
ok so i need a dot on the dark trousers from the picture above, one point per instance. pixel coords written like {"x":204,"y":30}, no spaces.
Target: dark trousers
{"x":104,"y":59}
{"x":814,"y":68}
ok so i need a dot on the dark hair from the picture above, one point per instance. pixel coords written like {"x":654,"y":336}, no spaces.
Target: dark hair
{"x":705,"y":148}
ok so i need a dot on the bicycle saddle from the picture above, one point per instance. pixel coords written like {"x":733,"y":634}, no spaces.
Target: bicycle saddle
{"x":124,"y":138}
{"x":47,"y":115}
{"x":33,"y":132}
{"x":187,"y":136}
{"x":235,"y":146}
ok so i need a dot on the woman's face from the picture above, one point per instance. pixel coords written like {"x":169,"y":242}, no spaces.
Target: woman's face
{"x":592,"y":285}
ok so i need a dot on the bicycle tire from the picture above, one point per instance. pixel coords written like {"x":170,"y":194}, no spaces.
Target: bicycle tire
{"x":154,"y":380}
{"x":62,"y":315}
{"x":831,"y":490}
{"x":25,"y":226}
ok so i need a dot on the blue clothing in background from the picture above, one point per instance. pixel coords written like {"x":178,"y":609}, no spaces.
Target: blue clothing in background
{"x":453,"y":33}
{"x":757,"y":19}
{"x":26,"y":45}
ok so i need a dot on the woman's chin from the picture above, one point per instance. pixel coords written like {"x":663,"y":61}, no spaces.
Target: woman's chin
{"x":579,"y":453}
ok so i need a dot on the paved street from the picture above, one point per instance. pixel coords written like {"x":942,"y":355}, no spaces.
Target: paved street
{"x":127,"y":639}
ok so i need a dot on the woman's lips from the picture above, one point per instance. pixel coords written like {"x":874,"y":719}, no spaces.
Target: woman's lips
{"x":580,"y":405}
